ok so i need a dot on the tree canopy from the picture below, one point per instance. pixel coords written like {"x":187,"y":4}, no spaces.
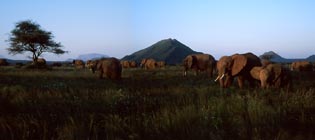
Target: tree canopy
{"x":27,"y":36}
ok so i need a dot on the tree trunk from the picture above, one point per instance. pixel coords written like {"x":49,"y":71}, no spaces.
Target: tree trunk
{"x":35,"y":58}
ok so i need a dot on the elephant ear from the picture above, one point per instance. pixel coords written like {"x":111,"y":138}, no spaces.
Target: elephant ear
{"x":239,"y":62}
{"x":189,"y":61}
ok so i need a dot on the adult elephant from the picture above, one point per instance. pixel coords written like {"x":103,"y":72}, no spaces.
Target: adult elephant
{"x":301,"y":66}
{"x":199,"y":62}
{"x":161,"y":64}
{"x":3,"y":62}
{"x":125,"y":64}
{"x":133,"y":64}
{"x":272,"y":75}
{"x":108,"y":67}
{"x":79,"y":64}
{"x":148,"y":64}
{"x":41,"y":61}
{"x":88,"y":64}
{"x":237,"y":65}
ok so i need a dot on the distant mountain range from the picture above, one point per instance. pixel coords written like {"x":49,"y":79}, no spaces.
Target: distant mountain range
{"x":89,"y":56}
{"x":274,"y":57}
{"x":169,"y":50}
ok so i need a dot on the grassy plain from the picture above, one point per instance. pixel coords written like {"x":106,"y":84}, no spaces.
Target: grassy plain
{"x":64,"y":103}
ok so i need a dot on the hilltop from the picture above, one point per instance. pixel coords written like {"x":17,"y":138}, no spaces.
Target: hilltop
{"x":274,"y":57}
{"x":169,"y":50}
{"x":311,"y":58}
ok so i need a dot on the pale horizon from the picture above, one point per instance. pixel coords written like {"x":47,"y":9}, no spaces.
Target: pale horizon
{"x":121,"y":27}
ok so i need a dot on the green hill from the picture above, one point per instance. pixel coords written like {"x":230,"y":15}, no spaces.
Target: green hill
{"x":169,"y":50}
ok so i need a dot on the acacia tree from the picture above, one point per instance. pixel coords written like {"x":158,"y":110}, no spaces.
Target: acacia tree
{"x":27,"y":36}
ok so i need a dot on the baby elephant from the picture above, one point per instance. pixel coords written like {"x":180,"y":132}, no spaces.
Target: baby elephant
{"x":271,"y":75}
{"x":111,"y":67}
{"x":261,"y":74}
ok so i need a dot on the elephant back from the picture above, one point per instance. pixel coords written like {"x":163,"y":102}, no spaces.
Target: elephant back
{"x":253,"y":60}
{"x":243,"y":63}
{"x":301,"y":66}
{"x":203,"y":61}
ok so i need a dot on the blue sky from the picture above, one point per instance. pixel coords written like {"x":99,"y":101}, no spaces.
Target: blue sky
{"x":121,"y":27}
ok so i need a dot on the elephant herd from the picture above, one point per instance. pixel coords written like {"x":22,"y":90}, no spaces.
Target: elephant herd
{"x":243,"y":67}
{"x":112,"y":67}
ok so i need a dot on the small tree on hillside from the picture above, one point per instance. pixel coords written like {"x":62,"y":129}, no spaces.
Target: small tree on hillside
{"x":27,"y":36}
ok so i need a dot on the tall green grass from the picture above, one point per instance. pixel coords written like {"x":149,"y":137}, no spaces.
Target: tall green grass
{"x":65,"y":103}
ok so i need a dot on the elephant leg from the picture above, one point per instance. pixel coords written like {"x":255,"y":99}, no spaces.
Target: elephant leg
{"x":210,"y":71}
{"x":228,"y":81}
{"x":240,"y":81}
{"x":252,"y":82}
{"x":101,"y":75}
{"x":195,"y":72}
{"x":277,"y":83}
{"x":222,"y":83}
{"x":263,"y":84}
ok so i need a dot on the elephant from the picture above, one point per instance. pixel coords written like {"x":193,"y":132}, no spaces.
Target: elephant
{"x":237,"y":65}
{"x":133,"y":64}
{"x":265,"y":62}
{"x":78,"y":64}
{"x":90,"y":63}
{"x":111,"y":67}
{"x":262,"y":74}
{"x":161,"y":64}
{"x":272,"y":75}
{"x":3,"y":62}
{"x":301,"y":66}
{"x":125,"y":64}
{"x":199,"y":62}
{"x":128,"y":64}
{"x":39,"y":62}
{"x":148,"y":64}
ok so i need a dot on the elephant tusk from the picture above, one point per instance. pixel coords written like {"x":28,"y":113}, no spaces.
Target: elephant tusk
{"x":219,"y":77}
{"x":216,"y":79}
{"x":222,"y":76}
